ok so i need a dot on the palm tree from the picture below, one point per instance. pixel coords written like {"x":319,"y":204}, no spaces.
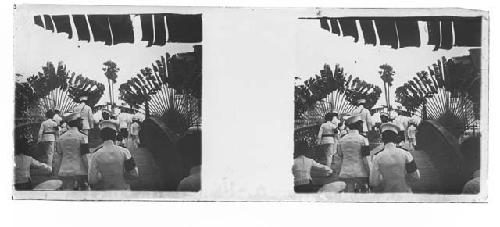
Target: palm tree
{"x":110,"y":69}
{"x":387,"y":75}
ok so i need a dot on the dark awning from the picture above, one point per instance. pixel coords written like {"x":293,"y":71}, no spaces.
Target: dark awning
{"x":114,"y":29}
{"x":400,"y":32}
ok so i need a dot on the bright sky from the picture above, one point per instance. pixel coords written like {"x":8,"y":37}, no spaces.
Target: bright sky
{"x":316,"y":46}
{"x":35,"y":46}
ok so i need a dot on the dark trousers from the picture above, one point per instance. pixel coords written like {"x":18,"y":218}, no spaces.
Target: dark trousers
{"x":306,"y":188}
{"x":23,"y":186}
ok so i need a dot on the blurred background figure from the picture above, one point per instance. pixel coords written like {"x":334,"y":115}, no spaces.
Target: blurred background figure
{"x":135,"y":127}
{"x":412,"y":135}
{"x":124,"y":119}
{"x":87,"y":117}
{"x":365,"y":116}
{"x":57,"y":117}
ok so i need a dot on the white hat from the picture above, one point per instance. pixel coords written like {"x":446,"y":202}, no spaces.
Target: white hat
{"x":71,"y":117}
{"x":361,"y":101}
{"x":353,"y":119}
{"x":389,"y":126}
{"x":84,"y":98}
{"x":109,"y":124}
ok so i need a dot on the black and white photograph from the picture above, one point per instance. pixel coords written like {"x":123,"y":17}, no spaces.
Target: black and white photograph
{"x":390,"y":104}
{"x":107,"y":99}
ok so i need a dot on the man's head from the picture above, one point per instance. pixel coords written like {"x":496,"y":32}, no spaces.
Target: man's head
{"x":21,"y":146}
{"x":389,"y":133}
{"x":49,"y":114}
{"x":73,"y":120}
{"x":300,"y":148}
{"x":108,"y":134}
{"x":355,"y":123}
{"x":328,"y":116}
{"x":56,"y":111}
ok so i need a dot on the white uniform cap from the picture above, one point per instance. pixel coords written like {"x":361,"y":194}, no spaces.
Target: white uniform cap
{"x":109,"y":124}
{"x":71,"y":117}
{"x":84,"y":98}
{"x":354,"y":119}
{"x":389,"y":126}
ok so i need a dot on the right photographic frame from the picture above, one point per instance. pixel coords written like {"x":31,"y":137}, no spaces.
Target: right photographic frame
{"x":391,"y":102}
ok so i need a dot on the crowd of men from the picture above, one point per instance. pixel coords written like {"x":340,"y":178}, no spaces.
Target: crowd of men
{"x":64,"y":142}
{"x":359,"y":166}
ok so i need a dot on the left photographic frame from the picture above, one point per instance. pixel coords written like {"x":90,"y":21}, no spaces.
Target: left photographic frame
{"x":107,"y":98}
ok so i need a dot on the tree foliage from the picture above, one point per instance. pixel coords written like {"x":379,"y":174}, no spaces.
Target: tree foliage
{"x":342,"y":92}
{"x":450,"y":90}
{"x":55,"y":88}
{"x":110,"y":70}
{"x":171,"y":88}
{"x":184,"y":72}
{"x":387,"y":74}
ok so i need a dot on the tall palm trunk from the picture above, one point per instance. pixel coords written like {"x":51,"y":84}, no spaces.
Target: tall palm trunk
{"x":388,"y":96}
{"x":110,"y":94}
{"x":385,"y":93}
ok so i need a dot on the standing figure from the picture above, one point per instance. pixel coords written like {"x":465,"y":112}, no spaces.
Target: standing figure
{"x":87,"y":117}
{"x":57,"y":117}
{"x":301,"y":169}
{"x":365,"y":116}
{"x":392,"y":165}
{"x":135,"y":127}
{"x":353,"y":150}
{"x":326,"y":137}
{"x":412,"y":135}
{"x":124,"y":121}
{"x":71,"y":161}
{"x":111,"y":166}
{"x":23,"y":165}
{"x":399,"y":121}
{"x":47,"y":136}
{"x":97,"y":116}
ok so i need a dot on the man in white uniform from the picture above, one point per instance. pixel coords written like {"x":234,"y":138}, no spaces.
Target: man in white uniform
{"x":392,"y":165}
{"x":111,"y":167}
{"x":365,"y":116}
{"x":87,"y":117}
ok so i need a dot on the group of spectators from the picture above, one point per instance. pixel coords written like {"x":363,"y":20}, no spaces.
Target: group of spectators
{"x":360,"y":168}
{"x":67,"y":157}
